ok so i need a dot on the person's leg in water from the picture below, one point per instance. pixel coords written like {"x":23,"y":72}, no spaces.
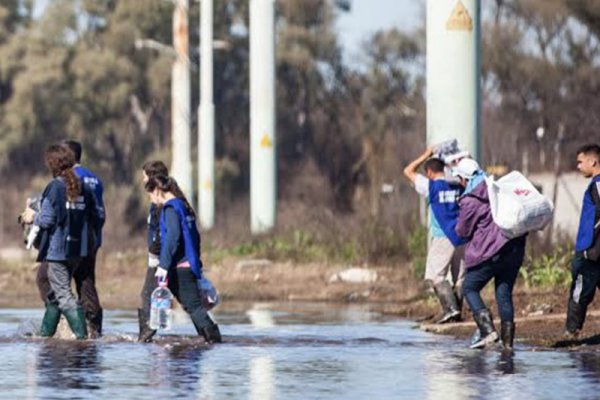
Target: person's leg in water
{"x":189,"y":298}
{"x":439,"y":256}
{"x":475,"y":280}
{"x":85,"y":282}
{"x":145,"y":332}
{"x":59,"y":276}
{"x":585,"y":278}
{"x":457,"y":269}
{"x":41,"y":280}
{"x":507,"y":270}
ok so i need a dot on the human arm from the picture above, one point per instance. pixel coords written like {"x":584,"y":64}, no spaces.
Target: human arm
{"x":467,"y":218}
{"x":410,"y":171}
{"x":46,"y":217}
{"x":169,"y":241}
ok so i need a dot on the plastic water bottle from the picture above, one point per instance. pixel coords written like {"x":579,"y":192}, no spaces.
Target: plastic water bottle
{"x":160,"y":307}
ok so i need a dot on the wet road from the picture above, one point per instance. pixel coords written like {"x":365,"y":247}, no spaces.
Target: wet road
{"x":282,"y":352}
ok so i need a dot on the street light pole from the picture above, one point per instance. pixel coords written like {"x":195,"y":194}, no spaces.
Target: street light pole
{"x":263,"y":192}
{"x":206,"y":123}
{"x":453,"y":73}
{"x":181,"y":162}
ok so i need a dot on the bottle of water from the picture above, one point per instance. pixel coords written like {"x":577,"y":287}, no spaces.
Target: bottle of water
{"x":160,"y":307}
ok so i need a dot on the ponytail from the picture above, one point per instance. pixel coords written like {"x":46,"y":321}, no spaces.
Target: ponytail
{"x":60,"y":160}
{"x":168,"y":184}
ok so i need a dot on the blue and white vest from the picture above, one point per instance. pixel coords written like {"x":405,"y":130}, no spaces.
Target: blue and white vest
{"x":585,"y":234}
{"x":189,"y":232}
{"x":443,"y":200}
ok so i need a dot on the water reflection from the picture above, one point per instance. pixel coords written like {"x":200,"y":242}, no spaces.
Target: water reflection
{"x":588,"y":364}
{"x":69,"y":365}
{"x":262,"y":386}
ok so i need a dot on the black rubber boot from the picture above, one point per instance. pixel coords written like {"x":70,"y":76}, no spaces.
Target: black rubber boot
{"x":94,"y":325}
{"x":76,"y":319}
{"x":205,"y":326}
{"x":50,"y":321}
{"x":488,"y":333}
{"x":507,"y":334}
{"x":146,"y":334}
{"x":575,"y":318}
{"x":448,"y":301}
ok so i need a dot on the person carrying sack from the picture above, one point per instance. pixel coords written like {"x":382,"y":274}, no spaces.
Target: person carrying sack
{"x":445,"y":248}
{"x":585,"y":266}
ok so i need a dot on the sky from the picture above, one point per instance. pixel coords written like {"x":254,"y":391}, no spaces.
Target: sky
{"x":368,"y":16}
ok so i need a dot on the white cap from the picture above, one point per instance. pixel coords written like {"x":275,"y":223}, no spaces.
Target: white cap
{"x":466,"y":168}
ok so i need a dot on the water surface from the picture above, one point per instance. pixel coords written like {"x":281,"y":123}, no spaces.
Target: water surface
{"x":282,"y":352}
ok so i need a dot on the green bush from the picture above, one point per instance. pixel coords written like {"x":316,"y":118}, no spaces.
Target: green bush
{"x":548,"y":270}
{"x":417,"y":249}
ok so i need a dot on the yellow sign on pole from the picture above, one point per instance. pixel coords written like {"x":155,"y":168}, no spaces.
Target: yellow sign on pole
{"x":265,"y":142}
{"x":460,"y":20}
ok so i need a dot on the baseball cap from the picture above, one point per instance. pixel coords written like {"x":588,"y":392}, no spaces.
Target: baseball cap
{"x":466,"y":168}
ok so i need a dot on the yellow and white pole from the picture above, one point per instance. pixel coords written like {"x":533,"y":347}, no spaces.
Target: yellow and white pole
{"x":453,"y":73}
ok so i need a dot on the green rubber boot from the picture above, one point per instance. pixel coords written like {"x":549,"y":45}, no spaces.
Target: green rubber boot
{"x":76,"y":319}
{"x":50,"y":321}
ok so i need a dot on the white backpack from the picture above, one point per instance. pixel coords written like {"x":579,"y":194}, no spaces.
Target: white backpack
{"x":517,"y":206}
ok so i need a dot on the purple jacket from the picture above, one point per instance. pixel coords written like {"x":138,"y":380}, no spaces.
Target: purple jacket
{"x":475,"y":224}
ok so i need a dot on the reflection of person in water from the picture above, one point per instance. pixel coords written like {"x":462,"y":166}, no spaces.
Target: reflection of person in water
{"x":69,"y":365}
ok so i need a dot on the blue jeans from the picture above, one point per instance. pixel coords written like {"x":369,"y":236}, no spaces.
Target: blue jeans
{"x":504,"y":269}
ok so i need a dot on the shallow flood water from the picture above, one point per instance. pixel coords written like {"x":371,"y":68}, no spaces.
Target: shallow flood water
{"x":283,"y":352}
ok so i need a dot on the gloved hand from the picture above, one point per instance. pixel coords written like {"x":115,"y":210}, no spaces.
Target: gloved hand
{"x":153,"y":260}
{"x":161,"y":274}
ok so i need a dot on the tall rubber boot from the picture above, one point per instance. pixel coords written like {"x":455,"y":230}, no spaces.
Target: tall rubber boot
{"x":76,"y":319}
{"x":146,"y":334}
{"x":488,"y":333}
{"x":507,"y":334}
{"x":445,"y":294}
{"x":50,"y":320}
{"x":205,"y":326}
{"x":575,"y":318}
{"x":94,"y":325}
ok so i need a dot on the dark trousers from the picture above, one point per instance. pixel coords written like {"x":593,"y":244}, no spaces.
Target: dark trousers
{"x":504,"y":269}
{"x":149,"y":285}
{"x":85,"y":282}
{"x":586,"y":278}
{"x":183,"y":285}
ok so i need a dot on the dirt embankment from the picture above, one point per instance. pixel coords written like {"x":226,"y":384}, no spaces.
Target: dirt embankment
{"x":392,"y":290}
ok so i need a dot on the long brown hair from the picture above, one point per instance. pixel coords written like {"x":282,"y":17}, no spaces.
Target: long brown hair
{"x":155,"y":167}
{"x":60,"y":161}
{"x":168,"y":184}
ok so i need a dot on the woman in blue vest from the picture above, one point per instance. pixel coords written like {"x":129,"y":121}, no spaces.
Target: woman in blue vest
{"x":179,"y":259}
{"x":66,"y":215}
{"x":585,"y":267}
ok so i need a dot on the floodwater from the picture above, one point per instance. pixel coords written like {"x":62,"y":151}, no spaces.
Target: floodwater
{"x":282,"y":352}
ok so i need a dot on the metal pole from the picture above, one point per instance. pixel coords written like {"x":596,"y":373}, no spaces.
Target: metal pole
{"x":206,"y":123}
{"x":181,"y":163}
{"x":263,"y":193}
{"x":453,"y":73}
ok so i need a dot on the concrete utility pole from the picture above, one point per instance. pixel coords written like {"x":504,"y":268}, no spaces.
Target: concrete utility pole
{"x":181,"y":163}
{"x":453,"y":73}
{"x":263,"y":174}
{"x":206,"y":123}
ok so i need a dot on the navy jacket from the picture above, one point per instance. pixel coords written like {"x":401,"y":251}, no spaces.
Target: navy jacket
{"x":179,"y":237}
{"x":53,"y":218}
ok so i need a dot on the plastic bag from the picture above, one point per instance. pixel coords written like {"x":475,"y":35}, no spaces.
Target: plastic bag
{"x":208,"y":294}
{"x":517,"y":206}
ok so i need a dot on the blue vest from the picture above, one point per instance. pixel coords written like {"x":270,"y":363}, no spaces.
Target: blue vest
{"x":189,"y":232}
{"x":585,"y":234}
{"x":91,"y":182}
{"x":443,"y":200}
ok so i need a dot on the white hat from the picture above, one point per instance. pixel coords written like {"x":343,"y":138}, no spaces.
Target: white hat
{"x":466,"y":168}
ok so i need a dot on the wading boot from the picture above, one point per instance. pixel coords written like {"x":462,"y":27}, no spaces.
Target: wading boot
{"x":146,"y":334}
{"x":94,"y":325}
{"x":76,"y":319}
{"x":205,"y":326}
{"x":507,"y":334}
{"x":488,"y":334}
{"x":50,"y":321}
{"x":449,"y":303}
{"x":575,"y":318}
